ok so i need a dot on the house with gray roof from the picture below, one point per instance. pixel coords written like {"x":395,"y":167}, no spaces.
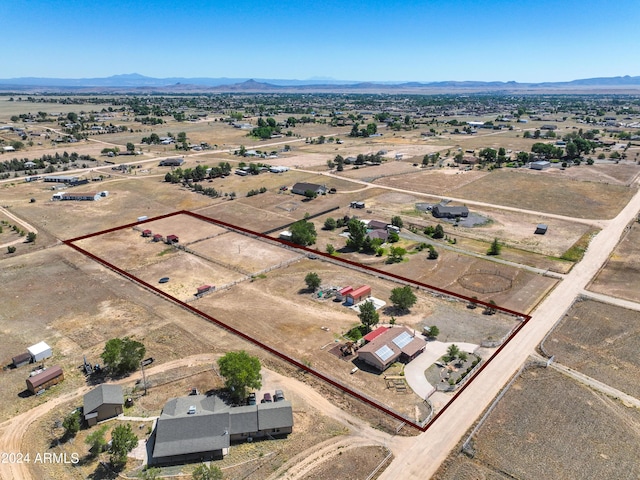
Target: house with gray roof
{"x":301,"y":187}
{"x":103,"y":402}
{"x":445,"y":211}
{"x":201,"y":428}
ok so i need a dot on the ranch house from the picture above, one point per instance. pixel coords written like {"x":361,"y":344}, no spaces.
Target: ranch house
{"x":198,"y":428}
{"x":391,"y":345}
{"x":444,"y":211}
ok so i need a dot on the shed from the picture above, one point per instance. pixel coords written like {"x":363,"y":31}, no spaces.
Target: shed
{"x":40,"y":351}
{"x":20,"y":360}
{"x":47,"y":378}
{"x":541,"y":229}
{"x":146,"y":233}
{"x":172,"y":239}
{"x":103,"y":402}
{"x":359,"y":294}
{"x":203,"y":289}
{"x":157,"y":237}
{"x":357,"y":205}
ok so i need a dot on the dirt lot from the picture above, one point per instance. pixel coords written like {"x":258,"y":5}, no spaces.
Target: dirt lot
{"x":561,"y":195}
{"x":621,"y":274}
{"x":244,"y":253}
{"x":600,"y":341}
{"x":579,"y":433}
{"x":353,"y":464}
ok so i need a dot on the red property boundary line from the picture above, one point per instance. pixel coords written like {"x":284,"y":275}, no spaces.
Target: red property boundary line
{"x":283,"y":356}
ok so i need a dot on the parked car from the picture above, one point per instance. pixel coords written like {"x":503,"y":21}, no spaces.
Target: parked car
{"x":267,"y":398}
{"x":251,"y":399}
{"x":278,"y":396}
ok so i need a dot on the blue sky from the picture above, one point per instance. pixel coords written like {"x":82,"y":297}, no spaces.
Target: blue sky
{"x":409,"y":40}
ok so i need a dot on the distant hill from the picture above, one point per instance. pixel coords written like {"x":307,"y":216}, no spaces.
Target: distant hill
{"x":135,"y":82}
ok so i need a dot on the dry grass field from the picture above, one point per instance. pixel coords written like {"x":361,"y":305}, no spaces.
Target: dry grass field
{"x":548,"y":426}
{"x":621,"y":274}
{"x":548,"y":192}
{"x":600,"y":341}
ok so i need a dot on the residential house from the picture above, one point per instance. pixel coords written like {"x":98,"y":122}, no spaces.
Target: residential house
{"x":393,"y":344}
{"x":200,"y":428}
{"x":301,"y":187}
{"x":445,"y":211}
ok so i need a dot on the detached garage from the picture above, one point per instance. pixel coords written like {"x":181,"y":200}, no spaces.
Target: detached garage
{"x":40,"y":351}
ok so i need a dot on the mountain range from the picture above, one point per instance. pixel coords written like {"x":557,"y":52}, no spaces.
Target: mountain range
{"x":142,"y":84}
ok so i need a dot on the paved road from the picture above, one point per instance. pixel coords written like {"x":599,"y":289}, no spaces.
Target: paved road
{"x":432,"y":447}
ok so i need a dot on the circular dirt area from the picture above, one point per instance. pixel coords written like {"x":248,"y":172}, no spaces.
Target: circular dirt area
{"x":485,"y":282}
{"x":397,"y":197}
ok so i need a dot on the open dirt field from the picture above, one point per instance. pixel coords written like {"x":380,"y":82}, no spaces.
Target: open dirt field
{"x":441,"y":181}
{"x":244,"y":253}
{"x":188,"y":229}
{"x":548,"y":426}
{"x":560,"y":195}
{"x":352,"y":464}
{"x":621,"y":274}
{"x":595,"y":199}
{"x":600,"y":341}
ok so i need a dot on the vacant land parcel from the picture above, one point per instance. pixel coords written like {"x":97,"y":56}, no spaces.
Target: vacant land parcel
{"x":601,"y":341}
{"x":621,"y":275}
{"x":549,"y":426}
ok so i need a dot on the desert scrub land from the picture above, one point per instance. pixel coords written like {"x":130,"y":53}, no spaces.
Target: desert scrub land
{"x":580,"y":434}
{"x":601,"y":341}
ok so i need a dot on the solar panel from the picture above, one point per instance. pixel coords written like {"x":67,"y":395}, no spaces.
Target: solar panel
{"x":402,"y":340}
{"x":384,"y":353}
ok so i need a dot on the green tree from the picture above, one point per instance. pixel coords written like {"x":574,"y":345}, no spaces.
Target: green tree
{"x":122,"y":355}
{"x":453,"y":351}
{"x":204,"y":472}
{"x":31,"y":237}
{"x":96,"y":440}
{"x":310,"y":194}
{"x":368,"y":315}
{"x":71,"y":424}
{"x":397,"y":222}
{"x":433,"y":253}
{"x":489,"y":155}
{"x":313,"y":281}
{"x":396,"y":254}
{"x":303,"y":233}
{"x":331,"y":249}
{"x":11,"y":249}
{"x":433,"y":331}
{"x":152,"y":473}
{"x":123,"y":440}
{"x":357,"y":234}
{"x":438,"y":232}
{"x":463,"y":356}
{"x":240,"y":371}
{"x":495,"y":247}
{"x":131,"y":147}
{"x":330,"y":224}
{"x":403,"y":298}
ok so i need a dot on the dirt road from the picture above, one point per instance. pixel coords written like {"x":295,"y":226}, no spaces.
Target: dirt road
{"x":432,"y":447}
